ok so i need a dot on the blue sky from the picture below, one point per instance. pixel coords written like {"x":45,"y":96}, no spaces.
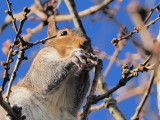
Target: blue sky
{"x":101,"y":33}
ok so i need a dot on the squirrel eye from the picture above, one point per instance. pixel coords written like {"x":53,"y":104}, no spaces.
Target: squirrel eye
{"x":64,"y":33}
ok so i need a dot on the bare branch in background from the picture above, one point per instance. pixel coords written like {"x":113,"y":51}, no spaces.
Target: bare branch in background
{"x":31,"y":32}
{"x":21,"y":53}
{"x":146,"y":94}
{"x":11,"y":51}
{"x":76,"y":19}
{"x":131,"y":93}
{"x":120,"y":46}
{"x":6,"y":46}
{"x":151,"y":12}
{"x":115,"y":40}
{"x":86,"y":12}
{"x":156,"y":49}
{"x":127,"y":75}
{"x":34,"y":9}
{"x":110,"y":103}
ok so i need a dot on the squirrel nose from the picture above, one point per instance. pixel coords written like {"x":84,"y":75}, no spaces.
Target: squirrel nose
{"x":84,"y":44}
{"x":81,"y":43}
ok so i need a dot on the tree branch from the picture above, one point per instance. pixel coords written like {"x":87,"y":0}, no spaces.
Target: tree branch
{"x":76,"y":19}
{"x":146,"y":94}
{"x":86,"y":12}
{"x":91,"y":96}
{"x":136,"y":30}
{"x":8,"y":108}
{"x":141,"y":68}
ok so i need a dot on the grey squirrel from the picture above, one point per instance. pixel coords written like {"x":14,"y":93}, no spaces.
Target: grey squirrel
{"x":57,"y":81}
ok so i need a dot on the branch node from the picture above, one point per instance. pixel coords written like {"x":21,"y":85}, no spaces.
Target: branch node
{"x":109,"y":101}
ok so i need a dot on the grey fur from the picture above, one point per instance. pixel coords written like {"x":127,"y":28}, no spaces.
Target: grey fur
{"x":57,"y":87}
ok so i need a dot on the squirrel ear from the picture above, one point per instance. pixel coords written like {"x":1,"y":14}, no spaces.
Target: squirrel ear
{"x":52,"y":28}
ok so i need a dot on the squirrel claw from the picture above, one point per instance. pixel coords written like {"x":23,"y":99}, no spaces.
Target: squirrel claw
{"x":79,"y":58}
{"x":92,"y":59}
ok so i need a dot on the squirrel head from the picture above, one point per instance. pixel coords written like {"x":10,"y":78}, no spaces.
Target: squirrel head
{"x":67,"y":39}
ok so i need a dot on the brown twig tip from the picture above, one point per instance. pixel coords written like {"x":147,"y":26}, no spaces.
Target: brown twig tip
{"x":15,"y":52}
{"x":144,"y":67}
{"x":126,"y":70}
{"x":3,"y":63}
{"x":115,"y":41}
{"x":26,"y":10}
{"x":137,"y":29}
{"x":8,"y":12}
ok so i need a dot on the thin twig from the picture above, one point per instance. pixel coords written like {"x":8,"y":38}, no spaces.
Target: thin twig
{"x":18,"y":32}
{"x":41,"y":41}
{"x":86,"y":12}
{"x":7,"y":65}
{"x":59,"y":18}
{"x":76,"y":19}
{"x":6,"y":68}
{"x":136,"y":30}
{"x":147,"y":60}
{"x":146,"y":94}
{"x":110,"y":103}
{"x":13,"y":76}
{"x":113,"y":59}
{"x":26,"y":11}
{"x":8,"y":108}
{"x":21,"y":52}
{"x":91,"y":96}
{"x":11,"y":15}
{"x":119,"y":48}
{"x":151,"y":12}
{"x":123,"y":81}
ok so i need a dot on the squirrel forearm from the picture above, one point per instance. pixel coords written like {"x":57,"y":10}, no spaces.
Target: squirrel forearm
{"x":61,"y":71}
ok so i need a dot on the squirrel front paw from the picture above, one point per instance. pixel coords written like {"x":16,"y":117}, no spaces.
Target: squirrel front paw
{"x":79,"y":58}
{"x":83,"y":59}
